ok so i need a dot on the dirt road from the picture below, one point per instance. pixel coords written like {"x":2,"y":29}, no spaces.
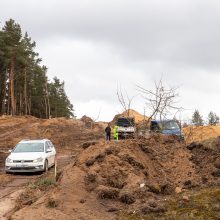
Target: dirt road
{"x":12,"y":186}
{"x":67,"y":135}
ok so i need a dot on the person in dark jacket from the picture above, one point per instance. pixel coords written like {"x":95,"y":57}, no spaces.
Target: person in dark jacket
{"x":108,"y":132}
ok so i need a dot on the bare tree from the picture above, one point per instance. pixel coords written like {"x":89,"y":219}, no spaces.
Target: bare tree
{"x":98,"y":115}
{"x":161,"y":101}
{"x":125,"y":100}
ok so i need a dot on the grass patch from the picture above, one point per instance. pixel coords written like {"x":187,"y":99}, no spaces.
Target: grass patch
{"x":202,"y":205}
{"x":43,"y":183}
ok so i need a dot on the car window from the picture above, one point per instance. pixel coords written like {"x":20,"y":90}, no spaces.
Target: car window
{"x":29,"y":147}
{"x":170,"y":125}
{"x":51,"y":145}
{"x":47,"y":146}
{"x":154,"y":126}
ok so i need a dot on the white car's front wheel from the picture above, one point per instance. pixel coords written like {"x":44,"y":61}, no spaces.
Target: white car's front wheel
{"x":45,"y":166}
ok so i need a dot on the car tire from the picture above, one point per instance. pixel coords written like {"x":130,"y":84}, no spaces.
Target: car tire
{"x":45,"y":166}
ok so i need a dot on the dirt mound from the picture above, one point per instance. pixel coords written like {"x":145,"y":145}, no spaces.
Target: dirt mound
{"x":136,"y":115}
{"x":64,"y":133}
{"x":131,"y":113}
{"x":206,"y":158}
{"x":160,"y":163}
{"x":201,"y":133}
{"x":109,"y":177}
{"x":87,"y":121}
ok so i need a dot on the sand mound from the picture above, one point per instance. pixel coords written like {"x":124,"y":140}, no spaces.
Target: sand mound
{"x":107,"y":178}
{"x":131,"y":113}
{"x":201,"y":133}
{"x":136,"y":115}
{"x":64,"y":133}
{"x":128,"y":175}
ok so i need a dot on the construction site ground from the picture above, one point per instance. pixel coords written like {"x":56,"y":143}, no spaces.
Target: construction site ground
{"x":146,"y":178}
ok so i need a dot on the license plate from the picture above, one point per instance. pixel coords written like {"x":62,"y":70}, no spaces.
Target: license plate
{"x":21,"y":165}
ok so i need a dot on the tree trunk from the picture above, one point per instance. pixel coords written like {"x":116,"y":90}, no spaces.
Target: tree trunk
{"x":12,"y":88}
{"x":3,"y":100}
{"x":29,"y":106}
{"x":45,"y":103}
{"x":9,"y":100}
{"x":25,"y":93}
{"x":2,"y":92}
{"x":48,"y":101}
{"x":20,"y":103}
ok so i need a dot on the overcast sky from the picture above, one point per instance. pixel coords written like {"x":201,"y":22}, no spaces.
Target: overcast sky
{"x":95,"y":45}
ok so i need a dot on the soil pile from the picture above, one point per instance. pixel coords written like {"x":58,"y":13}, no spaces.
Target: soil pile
{"x":131,"y":113}
{"x":132,"y":176}
{"x":64,"y":133}
{"x":108,"y":178}
{"x":87,"y":121}
{"x":206,"y":158}
{"x":201,"y":133}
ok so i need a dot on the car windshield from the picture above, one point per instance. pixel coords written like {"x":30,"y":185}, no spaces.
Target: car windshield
{"x":29,"y":147}
{"x":170,"y":125}
{"x":125,"y":122}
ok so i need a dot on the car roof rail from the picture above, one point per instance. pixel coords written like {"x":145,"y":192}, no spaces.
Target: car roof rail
{"x":25,"y":139}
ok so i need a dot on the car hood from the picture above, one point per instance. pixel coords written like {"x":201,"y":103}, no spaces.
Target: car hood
{"x":25,"y":156}
{"x":173,"y":131}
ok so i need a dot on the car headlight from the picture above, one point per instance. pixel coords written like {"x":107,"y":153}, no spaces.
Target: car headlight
{"x":8,"y":160}
{"x":40,"y":159}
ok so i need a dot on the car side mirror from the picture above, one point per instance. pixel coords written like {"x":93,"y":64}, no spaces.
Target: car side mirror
{"x":48,"y":151}
{"x":10,"y":150}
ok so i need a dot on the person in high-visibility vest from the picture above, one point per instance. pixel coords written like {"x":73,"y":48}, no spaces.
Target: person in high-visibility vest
{"x":115,"y":130}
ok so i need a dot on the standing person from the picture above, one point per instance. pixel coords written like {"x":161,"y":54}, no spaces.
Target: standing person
{"x":116,"y":132}
{"x":108,"y":132}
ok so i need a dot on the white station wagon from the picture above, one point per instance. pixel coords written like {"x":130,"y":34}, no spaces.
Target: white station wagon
{"x":31,"y":156}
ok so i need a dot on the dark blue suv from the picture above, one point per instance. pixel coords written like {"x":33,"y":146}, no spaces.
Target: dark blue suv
{"x":167,"y":127}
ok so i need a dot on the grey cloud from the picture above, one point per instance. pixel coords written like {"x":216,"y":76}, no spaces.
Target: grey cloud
{"x":94,"y":45}
{"x":184,"y":32}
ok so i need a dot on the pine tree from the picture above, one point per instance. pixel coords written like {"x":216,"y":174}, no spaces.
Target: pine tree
{"x":197,"y":118}
{"x":213,"y":119}
{"x":12,"y":38}
{"x":24,"y":85}
{"x":59,"y":102}
{"x":3,"y":75}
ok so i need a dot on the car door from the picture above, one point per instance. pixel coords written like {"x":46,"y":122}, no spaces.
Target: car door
{"x":49,"y":153}
{"x":53,"y":155}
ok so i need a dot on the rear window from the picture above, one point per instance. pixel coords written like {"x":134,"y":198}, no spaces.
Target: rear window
{"x":164,"y":125}
{"x":170,"y":125}
{"x":29,"y":147}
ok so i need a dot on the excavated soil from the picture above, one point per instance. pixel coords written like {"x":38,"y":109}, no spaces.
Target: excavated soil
{"x":64,"y":133}
{"x":132,"y":176}
{"x":201,"y":133}
{"x":104,"y":179}
{"x":67,"y":135}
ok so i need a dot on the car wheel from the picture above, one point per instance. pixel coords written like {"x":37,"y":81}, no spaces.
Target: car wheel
{"x":45,"y":166}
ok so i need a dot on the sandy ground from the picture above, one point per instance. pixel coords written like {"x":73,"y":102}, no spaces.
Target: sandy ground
{"x":98,"y":179}
{"x":13,"y":185}
{"x":201,"y":133}
{"x":107,"y":179}
{"x":67,"y":135}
